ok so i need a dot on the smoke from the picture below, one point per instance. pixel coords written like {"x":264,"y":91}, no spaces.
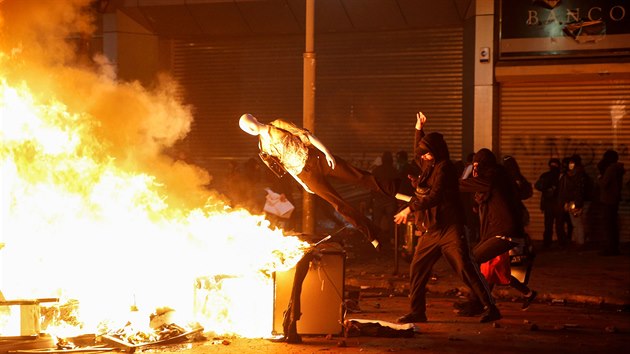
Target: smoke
{"x":44,"y":45}
{"x":40,"y":27}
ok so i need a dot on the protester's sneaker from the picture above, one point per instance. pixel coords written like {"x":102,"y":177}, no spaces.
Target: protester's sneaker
{"x":491,"y":314}
{"x":412,"y":317}
{"x":529,"y":299}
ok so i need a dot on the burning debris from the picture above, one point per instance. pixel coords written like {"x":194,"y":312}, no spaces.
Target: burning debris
{"x":60,"y":315}
{"x":83,"y":169}
{"x":162,"y":331}
{"x":131,"y":339}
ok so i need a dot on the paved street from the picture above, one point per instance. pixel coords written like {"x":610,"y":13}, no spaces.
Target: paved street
{"x":543,"y":328}
{"x":581,"y":308}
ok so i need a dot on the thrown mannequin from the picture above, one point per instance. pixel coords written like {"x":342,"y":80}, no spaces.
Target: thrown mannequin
{"x":305,"y":158}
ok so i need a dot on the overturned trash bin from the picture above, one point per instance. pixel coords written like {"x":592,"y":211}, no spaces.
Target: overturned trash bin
{"x":309,"y":298}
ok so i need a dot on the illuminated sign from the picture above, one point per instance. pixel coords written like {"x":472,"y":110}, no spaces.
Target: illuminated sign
{"x":564,"y":28}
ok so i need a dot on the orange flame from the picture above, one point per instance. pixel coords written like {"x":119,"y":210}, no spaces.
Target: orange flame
{"x":80,"y":222}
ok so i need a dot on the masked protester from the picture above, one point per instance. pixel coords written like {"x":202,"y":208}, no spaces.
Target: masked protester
{"x":438,"y":214}
{"x":547,"y":184}
{"x":571,"y":196}
{"x":500,"y":226}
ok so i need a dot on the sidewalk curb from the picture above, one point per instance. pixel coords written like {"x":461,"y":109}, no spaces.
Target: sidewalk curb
{"x":401,"y":286}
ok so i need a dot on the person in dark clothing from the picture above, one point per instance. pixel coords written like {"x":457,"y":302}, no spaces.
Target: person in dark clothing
{"x":306,"y":158}
{"x":501,"y":227}
{"x":523,"y":187}
{"x":571,"y":196}
{"x":610,"y":177}
{"x":547,"y":184}
{"x":439,"y":216}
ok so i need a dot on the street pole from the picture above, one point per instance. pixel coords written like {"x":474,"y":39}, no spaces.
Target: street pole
{"x":308,"y":205}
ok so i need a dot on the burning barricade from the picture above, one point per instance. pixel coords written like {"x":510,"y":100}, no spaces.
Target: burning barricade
{"x":88,"y":214}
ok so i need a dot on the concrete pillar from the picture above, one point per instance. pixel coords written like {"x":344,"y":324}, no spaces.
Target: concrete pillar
{"x":485,"y":115}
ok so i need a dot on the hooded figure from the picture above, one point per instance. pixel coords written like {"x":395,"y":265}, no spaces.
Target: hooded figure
{"x":523,"y":186}
{"x":437,"y":202}
{"x":439,"y":218}
{"x":547,"y":184}
{"x":500,"y":212}
{"x":435,"y":144}
{"x":500,"y":226}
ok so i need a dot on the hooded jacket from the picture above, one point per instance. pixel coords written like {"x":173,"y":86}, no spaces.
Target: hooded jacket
{"x":436,"y":202}
{"x":572,"y":184}
{"x":499,"y":208}
{"x":547,"y":184}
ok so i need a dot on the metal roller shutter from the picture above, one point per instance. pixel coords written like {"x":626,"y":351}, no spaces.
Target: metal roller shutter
{"x":540,"y":120}
{"x":224,"y":78}
{"x":369,"y":86}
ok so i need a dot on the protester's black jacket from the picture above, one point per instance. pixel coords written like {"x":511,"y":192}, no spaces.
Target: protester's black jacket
{"x":436,"y":202}
{"x":498,"y":204}
{"x":547,"y":184}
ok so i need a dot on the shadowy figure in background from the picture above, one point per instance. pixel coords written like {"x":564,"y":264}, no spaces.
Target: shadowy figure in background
{"x":501,"y":226}
{"x":439,"y":216}
{"x":384,"y":206}
{"x":523,"y":186}
{"x":286,"y":147}
{"x":524,"y":189}
{"x":572,"y":198}
{"x":610,"y":177}
{"x":553,"y":213}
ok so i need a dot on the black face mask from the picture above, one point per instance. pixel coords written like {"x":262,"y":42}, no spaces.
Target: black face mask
{"x":426,"y":168}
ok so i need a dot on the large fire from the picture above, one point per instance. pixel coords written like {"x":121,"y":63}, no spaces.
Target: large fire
{"x":88,"y":222}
